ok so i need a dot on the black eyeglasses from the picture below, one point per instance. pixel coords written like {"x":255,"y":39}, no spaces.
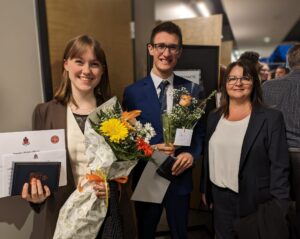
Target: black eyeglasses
{"x":245,"y":80}
{"x":161,"y":47}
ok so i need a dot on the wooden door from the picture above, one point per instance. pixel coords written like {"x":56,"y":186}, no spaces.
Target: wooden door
{"x":106,"y":20}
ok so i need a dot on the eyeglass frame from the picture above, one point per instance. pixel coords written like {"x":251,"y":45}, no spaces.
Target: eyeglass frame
{"x":242,"y":80}
{"x":165,"y":46}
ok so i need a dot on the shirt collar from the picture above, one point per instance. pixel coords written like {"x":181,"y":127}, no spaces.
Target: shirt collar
{"x":157,"y":80}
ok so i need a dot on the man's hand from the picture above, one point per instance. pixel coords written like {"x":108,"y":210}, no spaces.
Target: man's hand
{"x":37,"y":195}
{"x":167,"y":149}
{"x":183,"y":162}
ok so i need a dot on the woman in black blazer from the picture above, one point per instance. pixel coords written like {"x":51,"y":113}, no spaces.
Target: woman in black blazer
{"x":246,"y":159}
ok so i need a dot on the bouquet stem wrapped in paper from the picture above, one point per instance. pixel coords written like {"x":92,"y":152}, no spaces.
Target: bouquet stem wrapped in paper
{"x":114,"y":141}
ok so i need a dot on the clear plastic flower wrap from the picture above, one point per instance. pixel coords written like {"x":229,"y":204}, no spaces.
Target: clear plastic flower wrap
{"x":183,"y":117}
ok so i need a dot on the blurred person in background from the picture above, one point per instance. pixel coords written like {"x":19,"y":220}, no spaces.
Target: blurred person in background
{"x":281,"y":71}
{"x":264,"y":72}
{"x":284,"y":94}
{"x":252,"y":57}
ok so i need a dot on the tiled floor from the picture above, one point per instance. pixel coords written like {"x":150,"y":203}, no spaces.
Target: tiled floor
{"x":200,"y":225}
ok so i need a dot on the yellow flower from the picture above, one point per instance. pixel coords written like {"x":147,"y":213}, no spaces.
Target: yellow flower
{"x":114,"y":129}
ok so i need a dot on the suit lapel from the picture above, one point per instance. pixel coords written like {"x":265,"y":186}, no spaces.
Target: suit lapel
{"x":193,"y":88}
{"x":256,"y":121}
{"x":178,"y":83}
{"x":214,"y":121}
{"x":151,"y":98}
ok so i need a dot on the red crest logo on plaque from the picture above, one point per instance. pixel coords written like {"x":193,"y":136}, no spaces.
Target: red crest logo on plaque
{"x":54,"y":139}
{"x":26,"y":141}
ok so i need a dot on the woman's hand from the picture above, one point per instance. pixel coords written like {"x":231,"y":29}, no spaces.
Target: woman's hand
{"x":38,"y":193}
{"x":100,"y":190}
{"x":203,"y":201}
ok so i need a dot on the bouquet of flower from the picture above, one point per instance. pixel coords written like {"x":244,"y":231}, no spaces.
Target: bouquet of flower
{"x":115,"y":140}
{"x":186,"y":112}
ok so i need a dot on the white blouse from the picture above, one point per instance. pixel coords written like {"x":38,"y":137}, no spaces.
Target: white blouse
{"x":225,"y":146}
{"x":76,"y":148}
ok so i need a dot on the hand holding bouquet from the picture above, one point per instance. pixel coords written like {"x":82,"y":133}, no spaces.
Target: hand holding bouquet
{"x":114,"y":143}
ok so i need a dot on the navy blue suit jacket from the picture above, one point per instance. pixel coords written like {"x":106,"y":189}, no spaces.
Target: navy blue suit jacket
{"x":142,"y":95}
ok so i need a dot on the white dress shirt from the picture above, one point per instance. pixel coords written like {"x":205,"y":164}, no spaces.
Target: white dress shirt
{"x":157,"y":80}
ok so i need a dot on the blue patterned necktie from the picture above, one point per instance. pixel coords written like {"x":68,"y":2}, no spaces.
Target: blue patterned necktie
{"x":163,"y":95}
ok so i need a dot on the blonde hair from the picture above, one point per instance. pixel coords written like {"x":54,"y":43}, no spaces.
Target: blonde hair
{"x":76,"y":47}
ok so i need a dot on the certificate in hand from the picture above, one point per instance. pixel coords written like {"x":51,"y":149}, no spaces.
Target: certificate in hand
{"x":151,"y":186}
{"x":46,"y":172}
{"x":30,"y":146}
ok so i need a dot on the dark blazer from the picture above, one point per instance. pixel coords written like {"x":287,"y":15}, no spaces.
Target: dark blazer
{"x":52,"y":115}
{"x":264,"y":164}
{"x":142,"y":95}
{"x":283,"y":94}
{"x":259,"y":226}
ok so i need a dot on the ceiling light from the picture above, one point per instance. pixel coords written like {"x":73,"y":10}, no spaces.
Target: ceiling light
{"x":174,"y":11}
{"x":183,"y":11}
{"x":203,"y":9}
{"x":267,"y":39}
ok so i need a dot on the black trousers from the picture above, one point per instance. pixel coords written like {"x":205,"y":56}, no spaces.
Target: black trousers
{"x":294,"y":154}
{"x":148,"y":215}
{"x":112,"y":225}
{"x":225,"y":211}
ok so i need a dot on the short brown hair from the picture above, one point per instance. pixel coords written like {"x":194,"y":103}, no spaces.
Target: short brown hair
{"x":74,"y":48}
{"x":294,"y":56}
{"x":168,"y":27}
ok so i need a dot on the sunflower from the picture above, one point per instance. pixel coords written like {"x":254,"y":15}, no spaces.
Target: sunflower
{"x":114,"y":129}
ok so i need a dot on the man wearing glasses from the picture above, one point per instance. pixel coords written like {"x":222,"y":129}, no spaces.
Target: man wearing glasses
{"x":153,"y":95}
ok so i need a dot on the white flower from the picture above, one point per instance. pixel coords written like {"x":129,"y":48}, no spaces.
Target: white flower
{"x":145,"y":131}
{"x":138,"y":126}
{"x":150,"y":132}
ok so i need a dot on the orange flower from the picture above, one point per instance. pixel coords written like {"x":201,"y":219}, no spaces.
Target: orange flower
{"x":185,"y":100}
{"x":142,"y":145}
{"x":128,"y":118}
{"x":130,"y":115}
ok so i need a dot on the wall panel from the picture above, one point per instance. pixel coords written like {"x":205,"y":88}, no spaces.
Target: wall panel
{"x":106,"y":20}
{"x":226,"y":49}
{"x":201,"y":30}
{"x":20,"y":92}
